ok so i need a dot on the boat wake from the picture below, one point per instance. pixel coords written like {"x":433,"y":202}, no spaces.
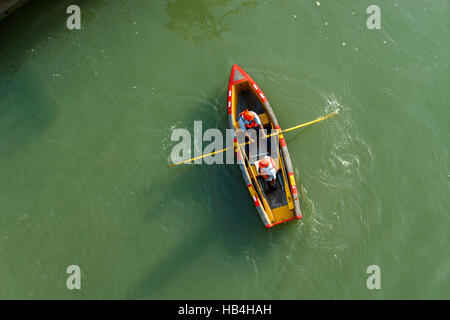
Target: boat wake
{"x":348,"y":157}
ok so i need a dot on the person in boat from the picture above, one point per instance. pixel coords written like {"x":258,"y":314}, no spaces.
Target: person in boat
{"x":268,"y":170}
{"x":250,"y":120}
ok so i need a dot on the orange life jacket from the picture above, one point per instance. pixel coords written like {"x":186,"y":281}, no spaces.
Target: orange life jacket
{"x":265,"y":170}
{"x":248,"y":124}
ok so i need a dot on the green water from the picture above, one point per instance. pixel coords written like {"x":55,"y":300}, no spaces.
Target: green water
{"x":85,"y":124}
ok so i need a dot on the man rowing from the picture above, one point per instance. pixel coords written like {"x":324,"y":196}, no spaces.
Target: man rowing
{"x":250,"y":120}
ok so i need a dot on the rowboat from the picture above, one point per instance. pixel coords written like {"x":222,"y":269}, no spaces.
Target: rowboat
{"x":274,"y":207}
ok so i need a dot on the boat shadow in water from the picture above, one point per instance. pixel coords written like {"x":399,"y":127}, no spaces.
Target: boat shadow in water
{"x":225,"y":225}
{"x":228,"y":220}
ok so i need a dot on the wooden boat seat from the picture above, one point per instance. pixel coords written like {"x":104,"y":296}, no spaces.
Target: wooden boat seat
{"x":264,"y":119}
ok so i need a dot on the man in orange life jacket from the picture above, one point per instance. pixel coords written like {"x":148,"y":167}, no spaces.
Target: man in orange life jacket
{"x":250,"y":120}
{"x":268,"y":170}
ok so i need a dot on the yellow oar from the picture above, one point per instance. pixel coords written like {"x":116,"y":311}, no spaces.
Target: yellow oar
{"x":269,"y":135}
{"x":307,"y":123}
